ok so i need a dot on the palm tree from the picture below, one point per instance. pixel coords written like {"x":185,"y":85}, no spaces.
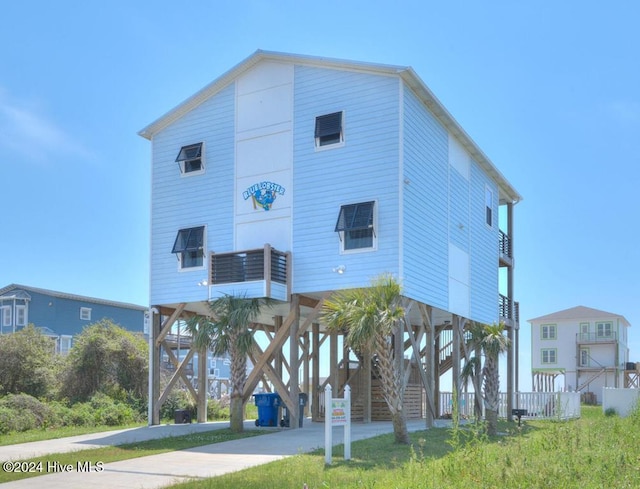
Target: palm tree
{"x":370,"y":317}
{"x":493,"y":343}
{"x":472,"y":369}
{"x":228,"y":331}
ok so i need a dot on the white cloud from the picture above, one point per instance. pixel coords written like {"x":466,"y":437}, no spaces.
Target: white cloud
{"x":28,"y":132}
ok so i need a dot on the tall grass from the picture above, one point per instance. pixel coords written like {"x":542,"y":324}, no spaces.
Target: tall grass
{"x":595,"y":451}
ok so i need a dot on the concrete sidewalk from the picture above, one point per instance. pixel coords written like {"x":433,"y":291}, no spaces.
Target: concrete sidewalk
{"x":170,"y":468}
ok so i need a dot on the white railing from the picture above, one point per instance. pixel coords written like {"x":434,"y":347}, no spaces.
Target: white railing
{"x":538,"y":405}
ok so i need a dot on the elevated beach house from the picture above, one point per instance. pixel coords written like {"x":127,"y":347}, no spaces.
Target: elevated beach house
{"x":294,"y":176}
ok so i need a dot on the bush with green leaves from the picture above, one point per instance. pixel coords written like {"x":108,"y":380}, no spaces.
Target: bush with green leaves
{"x":28,"y":363}
{"x":109,"y":359}
{"x":21,"y":412}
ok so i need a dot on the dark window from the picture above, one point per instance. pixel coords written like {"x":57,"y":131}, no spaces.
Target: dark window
{"x":189,"y":246}
{"x":488,"y":200}
{"x":190,"y":158}
{"x":355,"y":222}
{"x":329,"y":129}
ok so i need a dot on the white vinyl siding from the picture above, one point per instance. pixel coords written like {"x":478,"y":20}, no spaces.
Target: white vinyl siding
{"x":425,"y":212}
{"x":483,"y":249}
{"x":210,"y":195}
{"x":326,"y":180}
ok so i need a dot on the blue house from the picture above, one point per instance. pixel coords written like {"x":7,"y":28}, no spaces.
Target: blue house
{"x":294,"y":176}
{"x":60,"y":315}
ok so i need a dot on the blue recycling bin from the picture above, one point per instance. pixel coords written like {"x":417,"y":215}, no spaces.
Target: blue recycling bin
{"x":268,"y":404}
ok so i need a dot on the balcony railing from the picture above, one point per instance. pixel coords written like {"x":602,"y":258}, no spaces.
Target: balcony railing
{"x":266,"y":265}
{"x":597,"y":337}
{"x":505,"y":245}
{"x":509,"y":310}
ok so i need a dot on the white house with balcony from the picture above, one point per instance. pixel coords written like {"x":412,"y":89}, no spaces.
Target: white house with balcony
{"x":579,"y":349}
{"x":293,"y":176}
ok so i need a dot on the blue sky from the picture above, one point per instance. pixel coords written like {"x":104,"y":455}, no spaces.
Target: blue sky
{"x":549,"y":91}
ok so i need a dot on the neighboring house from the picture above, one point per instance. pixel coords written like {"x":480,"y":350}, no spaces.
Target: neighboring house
{"x":580,"y":349}
{"x":292,"y":176}
{"x":60,"y":315}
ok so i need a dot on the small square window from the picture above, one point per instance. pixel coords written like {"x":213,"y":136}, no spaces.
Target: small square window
{"x":329,"y":129}
{"x":190,"y":158}
{"x":604,"y":330}
{"x":85,"y":313}
{"x":189,"y":247}
{"x":355,"y":225}
{"x":549,"y":355}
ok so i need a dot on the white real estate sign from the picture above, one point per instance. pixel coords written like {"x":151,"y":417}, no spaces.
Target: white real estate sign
{"x":337,"y":413}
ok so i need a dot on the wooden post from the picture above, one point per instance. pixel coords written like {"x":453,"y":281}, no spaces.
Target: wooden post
{"x":510,"y":362}
{"x":277,"y":324}
{"x":306,"y":354}
{"x":366,"y":384}
{"x":429,"y":364}
{"x":154,"y":367}
{"x":202,"y":386}
{"x":315,"y":372}
{"x":333,"y":361}
{"x":294,"y":362}
{"x":455,"y":356}
{"x":436,"y":374}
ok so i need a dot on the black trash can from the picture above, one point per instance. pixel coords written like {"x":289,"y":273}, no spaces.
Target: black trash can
{"x":303,"y":398}
{"x":286,"y":418}
{"x":182,"y":416}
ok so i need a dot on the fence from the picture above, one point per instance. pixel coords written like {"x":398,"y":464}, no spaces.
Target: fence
{"x":623,"y":401}
{"x":539,"y":405}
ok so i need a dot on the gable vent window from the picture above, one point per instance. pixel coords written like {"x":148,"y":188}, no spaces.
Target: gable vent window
{"x":355,"y":225}
{"x":329,"y":130}
{"x":189,"y":247}
{"x":190,"y":159}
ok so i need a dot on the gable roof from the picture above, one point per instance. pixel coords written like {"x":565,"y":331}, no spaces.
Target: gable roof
{"x":507,"y":192}
{"x":578,"y":312}
{"x":64,"y":295}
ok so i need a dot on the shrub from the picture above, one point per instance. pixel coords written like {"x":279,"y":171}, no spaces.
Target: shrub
{"x":106,"y":358}
{"x":217,"y":410}
{"x":110,"y":412}
{"x":178,"y":399}
{"x":12,"y":420}
{"x":28,"y":363}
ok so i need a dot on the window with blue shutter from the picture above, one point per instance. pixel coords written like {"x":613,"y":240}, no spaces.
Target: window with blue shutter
{"x":190,"y":158}
{"x":355,"y":224}
{"x":189,"y":247}
{"x":329,"y":129}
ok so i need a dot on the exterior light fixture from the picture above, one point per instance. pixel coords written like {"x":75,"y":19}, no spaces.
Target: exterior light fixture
{"x":203,"y":282}
{"x":340,"y":269}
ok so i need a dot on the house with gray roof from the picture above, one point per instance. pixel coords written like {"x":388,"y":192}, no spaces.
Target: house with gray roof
{"x":62,"y":315}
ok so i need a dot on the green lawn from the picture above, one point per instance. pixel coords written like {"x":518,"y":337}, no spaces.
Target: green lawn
{"x":595,"y":451}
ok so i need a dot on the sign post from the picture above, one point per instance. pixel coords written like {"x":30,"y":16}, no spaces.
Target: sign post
{"x":337,"y":413}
